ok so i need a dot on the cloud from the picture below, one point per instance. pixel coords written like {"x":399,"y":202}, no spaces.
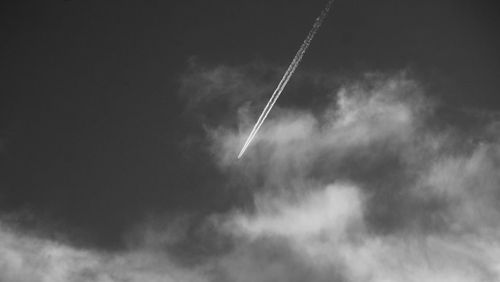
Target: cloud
{"x":368,"y":123}
{"x":470,"y":183}
{"x":27,"y":258}
{"x":328,"y":211}
{"x":212,"y":93}
{"x":420,"y":203}
{"x":373,"y":186}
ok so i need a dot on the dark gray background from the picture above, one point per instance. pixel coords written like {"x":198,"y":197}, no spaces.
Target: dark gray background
{"x":94,"y":134}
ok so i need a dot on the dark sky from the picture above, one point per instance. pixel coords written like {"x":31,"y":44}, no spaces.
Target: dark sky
{"x":94,"y":134}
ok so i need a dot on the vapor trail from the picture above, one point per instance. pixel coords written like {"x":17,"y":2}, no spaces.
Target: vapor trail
{"x":286,"y":77}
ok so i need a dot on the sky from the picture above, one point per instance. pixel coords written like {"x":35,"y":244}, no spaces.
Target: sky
{"x":120,"y":123}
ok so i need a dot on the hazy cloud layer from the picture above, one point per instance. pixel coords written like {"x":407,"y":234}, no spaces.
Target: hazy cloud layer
{"x":373,"y":187}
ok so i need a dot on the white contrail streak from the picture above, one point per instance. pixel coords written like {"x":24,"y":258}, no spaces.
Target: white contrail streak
{"x":286,"y":77}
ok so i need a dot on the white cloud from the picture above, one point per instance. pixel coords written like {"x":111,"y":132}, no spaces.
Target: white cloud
{"x":421,"y":203}
{"x":25,"y":258}
{"x":361,"y":117}
{"x":329,"y":211}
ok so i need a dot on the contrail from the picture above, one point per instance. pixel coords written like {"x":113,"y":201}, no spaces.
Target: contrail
{"x":286,"y":77}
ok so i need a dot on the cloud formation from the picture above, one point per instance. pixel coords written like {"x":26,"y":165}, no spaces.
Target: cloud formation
{"x":374,"y":187}
{"x":27,"y":258}
{"x":420,"y":203}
